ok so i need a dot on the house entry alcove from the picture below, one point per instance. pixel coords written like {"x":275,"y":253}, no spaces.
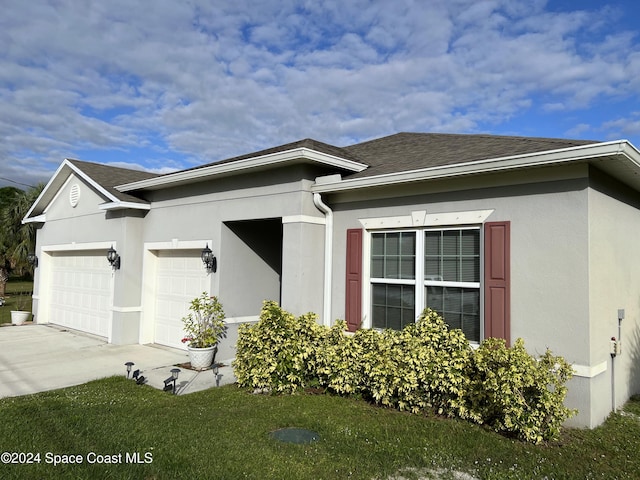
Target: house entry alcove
{"x":250,"y":265}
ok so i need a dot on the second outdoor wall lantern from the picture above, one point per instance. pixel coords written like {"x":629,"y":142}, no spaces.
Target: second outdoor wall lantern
{"x":209,"y":260}
{"x":113,"y":258}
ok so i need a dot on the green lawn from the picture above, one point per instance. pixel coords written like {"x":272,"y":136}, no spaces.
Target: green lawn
{"x":15,"y":287}
{"x":224,"y":433}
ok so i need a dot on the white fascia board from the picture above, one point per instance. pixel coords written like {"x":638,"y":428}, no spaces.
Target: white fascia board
{"x":549,"y":157}
{"x":122,"y":205}
{"x":45,"y":191}
{"x":186,"y":176}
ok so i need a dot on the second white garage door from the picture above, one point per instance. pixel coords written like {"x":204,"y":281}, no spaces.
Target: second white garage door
{"x":81,"y":292}
{"x":180,"y":277}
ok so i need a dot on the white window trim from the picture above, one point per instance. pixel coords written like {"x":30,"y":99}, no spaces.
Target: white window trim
{"x":419,"y":292}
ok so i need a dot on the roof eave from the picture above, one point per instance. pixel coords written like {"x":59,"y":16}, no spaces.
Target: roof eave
{"x":274,"y":159}
{"x":537,"y":159}
{"x":56,"y":182}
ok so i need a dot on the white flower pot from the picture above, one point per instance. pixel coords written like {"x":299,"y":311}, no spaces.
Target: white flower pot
{"x":201,"y":358}
{"x":18,"y":317}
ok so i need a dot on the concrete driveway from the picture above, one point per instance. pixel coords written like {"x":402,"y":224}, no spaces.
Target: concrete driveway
{"x":36,"y":358}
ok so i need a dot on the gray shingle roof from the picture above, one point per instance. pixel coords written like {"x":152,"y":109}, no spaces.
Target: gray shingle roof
{"x":410,"y":151}
{"x":394,"y":153}
{"x":305,"y":143}
{"x":108,"y":177}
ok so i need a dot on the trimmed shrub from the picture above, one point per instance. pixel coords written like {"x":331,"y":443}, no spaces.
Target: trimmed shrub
{"x":340,"y":361}
{"x":278,"y":353}
{"x":425,"y":366}
{"x":433,"y":360}
{"x":516,"y":394}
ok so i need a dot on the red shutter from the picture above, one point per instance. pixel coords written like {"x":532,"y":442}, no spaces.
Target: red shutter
{"x":353,"y":309}
{"x":497,"y":277}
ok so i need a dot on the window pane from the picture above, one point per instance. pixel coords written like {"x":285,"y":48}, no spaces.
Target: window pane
{"x":393,"y":255}
{"x":408,"y":244}
{"x":470,"y":269}
{"x":377,"y":267}
{"x":432,"y":243}
{"x":470,"y":242}
{"x":408,"y":267}
{"x":377,"y":244}
{"x":434,"y":297}
{"x":471,"y":327}
{"x":409,"y":299}
{"x":378,"y":316}
{"x":379,"y":295}
{"x":392,"y":244}
{"x":453,"y":300}
{"x":459,"y":307}
{"x":450,"y":242}
{"x":393,"y":306}
{"x":450,"y":269}
{"x":392,"y":267}
{"x":394,"y":318}
{"x":394,"y":295}
{"x":432,"y":269}
{"x":471,"y":301}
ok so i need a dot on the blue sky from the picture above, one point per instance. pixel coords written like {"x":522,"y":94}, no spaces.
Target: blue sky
{"x":172,"y":84}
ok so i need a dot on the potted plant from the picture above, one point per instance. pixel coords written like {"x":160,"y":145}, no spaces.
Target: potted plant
{"x":204,"y":326}
{"x":20,"y":315}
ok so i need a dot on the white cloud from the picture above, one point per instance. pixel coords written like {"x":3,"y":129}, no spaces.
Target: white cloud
{"x":198,"y":81}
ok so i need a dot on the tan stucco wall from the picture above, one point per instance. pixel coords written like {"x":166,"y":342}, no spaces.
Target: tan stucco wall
{"x":548,"y":211}
{"x":614,"y":283}
{"x":548,"y":252}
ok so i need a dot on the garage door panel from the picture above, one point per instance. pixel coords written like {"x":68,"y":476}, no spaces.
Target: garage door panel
{"x":81,"y":291}
{"x":180,"y":277}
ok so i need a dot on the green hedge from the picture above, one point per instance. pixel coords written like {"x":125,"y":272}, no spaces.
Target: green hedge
{"x":424,"y":367}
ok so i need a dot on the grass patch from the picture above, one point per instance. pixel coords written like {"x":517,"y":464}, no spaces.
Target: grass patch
{"x":15,"y":287}
{"x":223,"y":433}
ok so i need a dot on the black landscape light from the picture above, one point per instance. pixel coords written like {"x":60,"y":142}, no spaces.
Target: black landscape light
{"x":129,"y":365}
{"x":170,"y":383}
{"x":216,"y":371}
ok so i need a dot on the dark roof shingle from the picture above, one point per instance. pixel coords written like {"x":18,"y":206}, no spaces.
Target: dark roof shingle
{"x":305,"y":143}
{"x":411,"y":151}
{"x":109,"y":177}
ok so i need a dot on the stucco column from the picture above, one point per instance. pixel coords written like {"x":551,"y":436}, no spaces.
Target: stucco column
{"x":126,"y":310}
{"x":302,"y":267}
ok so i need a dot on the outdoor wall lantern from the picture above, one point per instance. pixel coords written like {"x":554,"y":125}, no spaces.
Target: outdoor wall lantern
{"x":209,"y":259}
{"x":33,"y":260}
{"x":129,"y":365}
{"x":113,"y":258}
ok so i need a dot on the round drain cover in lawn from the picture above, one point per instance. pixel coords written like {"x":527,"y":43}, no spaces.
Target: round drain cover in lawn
{"x":295,"y":435}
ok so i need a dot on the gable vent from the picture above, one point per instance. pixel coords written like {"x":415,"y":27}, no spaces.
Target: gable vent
{"x":74,"y":194}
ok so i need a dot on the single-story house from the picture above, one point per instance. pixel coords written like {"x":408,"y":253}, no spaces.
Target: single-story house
{"x":504,"y":236}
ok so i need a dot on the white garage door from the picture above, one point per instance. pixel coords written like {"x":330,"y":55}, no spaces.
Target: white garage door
{"x":180,"y":278}
{"x":81,"y":291}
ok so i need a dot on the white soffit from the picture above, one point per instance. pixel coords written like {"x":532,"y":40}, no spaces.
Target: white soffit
{"x":619,"y":158}
{"x":273,"y":159}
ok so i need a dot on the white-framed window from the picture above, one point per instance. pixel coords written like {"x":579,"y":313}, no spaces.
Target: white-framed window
{"x":411,"y":269}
